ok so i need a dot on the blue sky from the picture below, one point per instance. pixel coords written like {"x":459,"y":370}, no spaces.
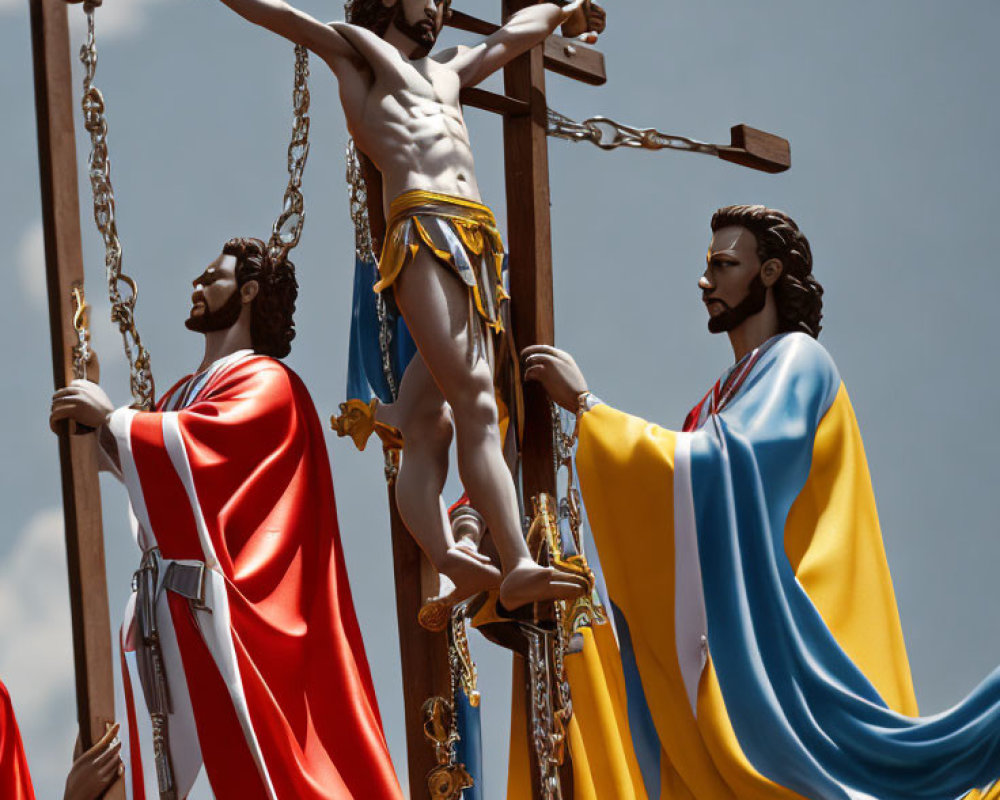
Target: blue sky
{"x":890,"y":108}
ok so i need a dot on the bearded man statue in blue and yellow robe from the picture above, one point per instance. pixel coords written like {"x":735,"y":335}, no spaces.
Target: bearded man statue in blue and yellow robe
{"x":761,"y":649}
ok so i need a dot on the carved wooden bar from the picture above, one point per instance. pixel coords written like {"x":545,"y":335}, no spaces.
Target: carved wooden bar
{"x":92,"y":642}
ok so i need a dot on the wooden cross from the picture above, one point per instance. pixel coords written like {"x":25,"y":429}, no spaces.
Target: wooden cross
{"x":77,"y":453}
{"x":524,"y":110}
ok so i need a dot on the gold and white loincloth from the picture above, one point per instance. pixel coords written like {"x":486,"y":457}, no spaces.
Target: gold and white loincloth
{"x":462,"y":234}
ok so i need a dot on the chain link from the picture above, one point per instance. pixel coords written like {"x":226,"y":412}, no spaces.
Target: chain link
{"x":610,"y":135}
{"x":287,"y":229}
{"x":358,"y":196}
{"x":122,"y":305}
{"x":81,"y":324}
{"x":364,"y":250}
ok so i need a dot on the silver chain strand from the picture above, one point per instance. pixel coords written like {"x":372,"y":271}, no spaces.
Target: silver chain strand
{"x":122,"y":306}
{"x":563,"y":458}
{"x":543,"y":724}
{"x":358,"y":195}
{"x":610,"y":135}
{"x":287,"y":228}
{"x":364,"y":250}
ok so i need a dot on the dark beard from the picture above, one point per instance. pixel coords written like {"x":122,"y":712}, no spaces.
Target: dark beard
{"x":417,"y":34}
{"x":223,"y":318}
{"x":732,"y":318}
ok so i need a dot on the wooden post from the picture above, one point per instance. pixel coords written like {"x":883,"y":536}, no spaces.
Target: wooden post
{"x":77,"y":453}
{"x":424,"y":655}
{"x":529,"y":233}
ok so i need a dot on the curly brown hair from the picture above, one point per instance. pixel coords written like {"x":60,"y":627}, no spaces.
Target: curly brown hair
{"x":272,"y":327}
{"x":797,"y":294}
{"x":371,"y":14}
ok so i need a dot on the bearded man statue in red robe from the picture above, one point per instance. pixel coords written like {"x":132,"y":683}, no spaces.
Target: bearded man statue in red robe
{"x":241,"y":631}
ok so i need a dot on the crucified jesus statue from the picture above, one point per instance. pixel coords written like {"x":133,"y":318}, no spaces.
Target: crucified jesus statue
{"x":442,"y":259}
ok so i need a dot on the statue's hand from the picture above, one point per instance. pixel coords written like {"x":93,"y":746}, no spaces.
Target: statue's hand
{"x":557,"y":372}
{"x":82,"y":401}
{"x":597,"y":19}
{"x":94,"y":771}
{"x":584,"y":21}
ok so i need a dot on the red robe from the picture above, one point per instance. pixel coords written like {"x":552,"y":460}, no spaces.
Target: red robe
{"x":15,"y":781}
{"x":279,"y":684}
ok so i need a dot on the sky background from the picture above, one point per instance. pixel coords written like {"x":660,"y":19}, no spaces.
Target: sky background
{"x":891,"y":111}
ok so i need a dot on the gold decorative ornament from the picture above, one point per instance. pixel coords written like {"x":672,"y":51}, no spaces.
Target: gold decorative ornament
{"x":449,"y":778}
{"x":357,"y":421}
{"x":81,"y":324}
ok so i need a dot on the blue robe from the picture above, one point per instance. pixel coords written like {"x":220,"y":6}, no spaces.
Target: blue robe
{"x":761,"y":645}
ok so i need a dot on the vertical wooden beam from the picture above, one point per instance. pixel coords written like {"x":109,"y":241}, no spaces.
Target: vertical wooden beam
{"x":77,"y":453}
{"x":529,"y":233}
{"x":424,"y":655}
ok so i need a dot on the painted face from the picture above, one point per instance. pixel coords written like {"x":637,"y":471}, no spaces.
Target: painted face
{"x":421,"y":20}
{"x":731,"y":286}
{"x":216,"y":302}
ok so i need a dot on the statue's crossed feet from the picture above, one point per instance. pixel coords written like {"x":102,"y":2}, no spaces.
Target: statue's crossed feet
{"x":529,"y":582}
{"x":469,"y":572}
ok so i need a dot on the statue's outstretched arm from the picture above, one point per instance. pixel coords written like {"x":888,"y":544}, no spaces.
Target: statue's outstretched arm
{"x":298,"y":27}
{"x":522,"y":31}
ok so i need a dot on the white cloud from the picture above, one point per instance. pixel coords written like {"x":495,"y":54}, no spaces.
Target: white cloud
{"x":36,"y":662}
{"x":31,"y":262}
{"x":34,"y":613}
{"x":115,"y":19}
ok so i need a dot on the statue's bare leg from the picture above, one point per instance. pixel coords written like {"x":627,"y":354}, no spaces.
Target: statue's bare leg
{"x":423,"y":417}
{"x":436,"y":307}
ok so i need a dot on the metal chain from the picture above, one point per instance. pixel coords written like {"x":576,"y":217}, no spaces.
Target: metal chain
{"x":610,"y":135}
{"x":358,"y":194}
{"x":563,"y":443}
{"x":364,"y":250}
{"x":81,"y":324}
{"x":463,"y":667}
{"x":544,"y":733}
{"x":287,"y":228}
{"x":122,"y":306}
{"x":587,"y":610}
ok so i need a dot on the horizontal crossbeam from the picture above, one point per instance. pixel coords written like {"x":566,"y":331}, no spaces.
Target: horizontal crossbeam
{"x":757,"y":149}
{"x":490,"y":101}
{"x":466,"y":22}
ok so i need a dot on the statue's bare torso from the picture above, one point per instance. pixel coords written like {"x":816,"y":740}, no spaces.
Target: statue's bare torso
{"x":408,"y":119}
